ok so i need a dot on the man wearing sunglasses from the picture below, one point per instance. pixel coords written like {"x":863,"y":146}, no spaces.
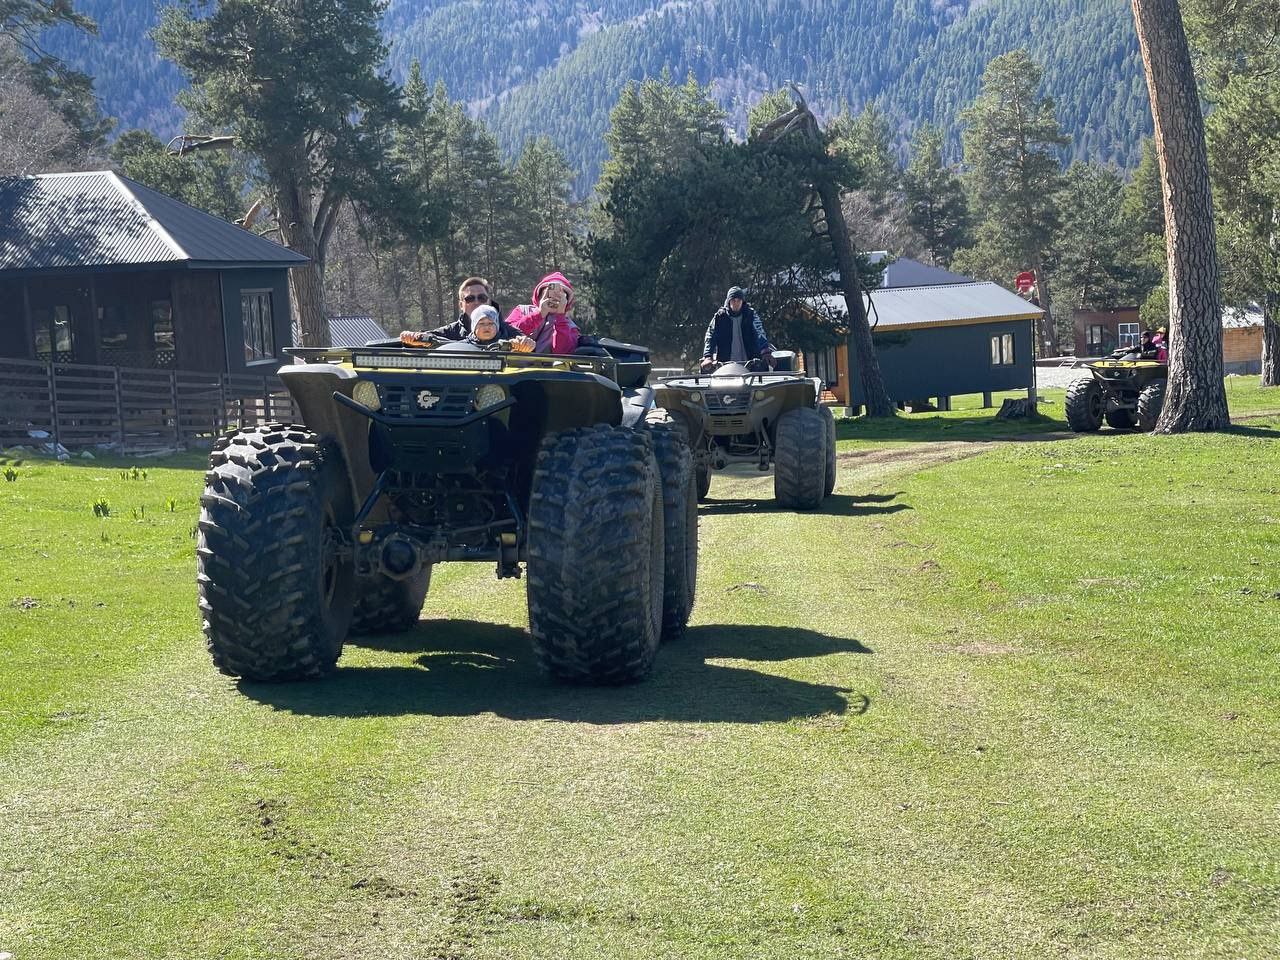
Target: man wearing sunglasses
{"x":473,"y":292}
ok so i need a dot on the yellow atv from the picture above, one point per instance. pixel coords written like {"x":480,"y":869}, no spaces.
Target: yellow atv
{"x":1124,"y":393}
{"x":408,"y":457}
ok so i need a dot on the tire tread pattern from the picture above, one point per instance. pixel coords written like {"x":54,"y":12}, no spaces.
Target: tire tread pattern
{"x":1079,"y":407}
{"x":592,"y":555}
{"x":680,"y":520}
{"x":259,"y":550}
{"x":829,"y":421}
{"x":1150,"y":404}
{"x":386,"y":605}
{"x":800,"y":458}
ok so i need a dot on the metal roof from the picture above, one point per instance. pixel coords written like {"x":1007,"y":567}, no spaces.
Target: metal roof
{"x":355,"y":330}
{"x":1240,"y":318}
{"x":65,"y":221}
{"x":905,"y":272}
{"x":956,"y":304}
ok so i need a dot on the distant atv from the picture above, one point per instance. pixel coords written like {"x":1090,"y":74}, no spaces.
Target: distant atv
{"x":766,"y":418}
{"x":410,"y":457}
{"x":1124,"y":393}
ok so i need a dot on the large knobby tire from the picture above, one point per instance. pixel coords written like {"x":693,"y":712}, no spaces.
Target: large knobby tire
{"x":800,"y":459}
{"x":275,"y":586}
{"x":680,"y":520}
{"x":596,"y":555}
{"x":1150,"y":403}
{"x":1120,"y":419}
{"x":387,"y":605}
{"x":1085,"y":405}
{"x":829,"y":419}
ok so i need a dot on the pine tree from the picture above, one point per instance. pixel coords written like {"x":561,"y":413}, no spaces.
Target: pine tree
{"x":302,"y":89}
{"x":1239,"y":63}
{"x":1011,"y":142}
{"x":937,"y":209}
{"x":549,"y":220}
{"x":1196,"y":396}
{"x":868,"y":142}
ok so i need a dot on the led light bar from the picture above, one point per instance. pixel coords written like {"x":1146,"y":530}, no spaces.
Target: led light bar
{"x":427,"y":361}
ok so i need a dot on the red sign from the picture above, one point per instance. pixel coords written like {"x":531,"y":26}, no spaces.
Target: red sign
{"x":1025,"y":281}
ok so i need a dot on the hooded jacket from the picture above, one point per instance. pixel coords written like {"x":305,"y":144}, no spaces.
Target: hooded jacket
{"x":555,"y":333}
{"x":718,"y":343}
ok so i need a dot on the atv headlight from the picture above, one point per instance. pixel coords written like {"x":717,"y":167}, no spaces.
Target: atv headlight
{"x":367,"y":394}
{"x":696,"y":397}
{"x":759,"y":394}
{"x":490,"y":395}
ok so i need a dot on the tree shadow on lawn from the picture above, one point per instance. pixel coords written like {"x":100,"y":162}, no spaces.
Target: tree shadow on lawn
{"x":1239,"y":431}
{"x":836,"y":505}
{"x":469,"y":668}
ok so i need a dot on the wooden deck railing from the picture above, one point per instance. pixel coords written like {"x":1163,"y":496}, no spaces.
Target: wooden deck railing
{"x":81,"y":406}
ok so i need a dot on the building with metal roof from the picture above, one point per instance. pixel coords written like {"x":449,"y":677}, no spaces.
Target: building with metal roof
{"x":937,"y":335}
{"x":355,"y":330}
{"x":96,"y":268}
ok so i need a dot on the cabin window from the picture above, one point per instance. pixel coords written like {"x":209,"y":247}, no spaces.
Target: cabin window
{"x":1002,"y":350}
{"x":1095,"y":338}
{"x":113,"y":329}
{"x":256,"y":317}
{"x":825,"y":367}
{"x":1129,"y":334}
{"x":53,"y":333}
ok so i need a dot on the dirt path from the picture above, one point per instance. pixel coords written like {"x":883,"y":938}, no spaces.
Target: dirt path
{"x":872,"y":466}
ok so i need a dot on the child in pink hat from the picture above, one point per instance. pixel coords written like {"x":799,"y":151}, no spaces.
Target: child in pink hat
{"x":546,"y":320}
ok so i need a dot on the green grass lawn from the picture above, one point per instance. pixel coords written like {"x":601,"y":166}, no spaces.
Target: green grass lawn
{"x":1020,"y":704}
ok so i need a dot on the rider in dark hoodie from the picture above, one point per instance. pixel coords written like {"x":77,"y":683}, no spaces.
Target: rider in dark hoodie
{"x":735,"y":334}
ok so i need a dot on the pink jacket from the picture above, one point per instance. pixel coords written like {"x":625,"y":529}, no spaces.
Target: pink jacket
{"x":556,"y":334}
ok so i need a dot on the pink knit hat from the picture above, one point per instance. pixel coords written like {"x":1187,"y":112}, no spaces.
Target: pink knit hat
{"x":556,"y":277}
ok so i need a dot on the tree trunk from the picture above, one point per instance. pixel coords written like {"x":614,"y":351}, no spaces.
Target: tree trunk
{"x":860,"y":343}
{"x":1270,"y":341}
{"x":306,"y":282}
{"x":1196,"y":397}
{"x":1048,"y":331}
{"x":440,"y":304}
{"x":424,"y":294}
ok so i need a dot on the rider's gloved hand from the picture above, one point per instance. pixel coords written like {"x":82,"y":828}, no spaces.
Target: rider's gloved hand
{"x":522,"y":345}
{"x":766,"y":356}
{"x":707,"y":365}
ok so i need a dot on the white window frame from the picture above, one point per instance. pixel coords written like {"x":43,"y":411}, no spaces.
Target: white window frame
{"x":1002,"y":350}
{"x":1129,"y":334}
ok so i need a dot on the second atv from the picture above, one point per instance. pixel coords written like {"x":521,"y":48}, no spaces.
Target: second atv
{"x":1124,"y":393}
{"x":765,"y":418}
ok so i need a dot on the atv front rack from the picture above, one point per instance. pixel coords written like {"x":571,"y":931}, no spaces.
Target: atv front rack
{"x":759,"y":377}
{"x":437,"y":359}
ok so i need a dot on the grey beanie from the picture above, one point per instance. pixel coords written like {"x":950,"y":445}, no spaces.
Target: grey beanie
{"x":484,"y":310}
{"x":735,"y":292}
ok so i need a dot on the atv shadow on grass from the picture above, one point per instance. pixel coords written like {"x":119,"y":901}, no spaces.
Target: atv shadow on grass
{"x":468,"y":668}
{"x":836,"y":505}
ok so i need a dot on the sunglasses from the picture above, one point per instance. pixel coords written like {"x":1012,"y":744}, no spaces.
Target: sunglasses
{"x":473,"y":297}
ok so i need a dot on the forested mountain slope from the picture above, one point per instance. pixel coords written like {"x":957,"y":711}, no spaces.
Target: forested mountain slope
{"x":556,"y":66}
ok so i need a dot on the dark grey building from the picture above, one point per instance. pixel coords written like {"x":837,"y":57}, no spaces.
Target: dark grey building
{"x":938,"y":335}
{"x":98,"y":269}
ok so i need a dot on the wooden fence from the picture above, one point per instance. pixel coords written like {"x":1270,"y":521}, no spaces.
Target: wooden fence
{"x":80,"y":405}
